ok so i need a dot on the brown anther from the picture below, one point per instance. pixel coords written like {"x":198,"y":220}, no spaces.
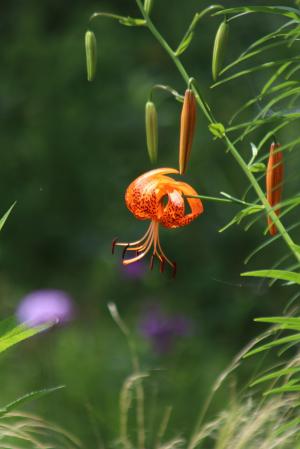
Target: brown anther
{"x":124,"y":251}
{"x":152,"y":262}
{"x":162,"y":265}
{"x":113,"y":245}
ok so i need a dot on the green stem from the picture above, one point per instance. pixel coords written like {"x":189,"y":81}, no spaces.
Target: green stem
{"x":233,"y":150}
{"x":168,"y":89}
{"x":139,"y":386}
{"x":222,"y":200}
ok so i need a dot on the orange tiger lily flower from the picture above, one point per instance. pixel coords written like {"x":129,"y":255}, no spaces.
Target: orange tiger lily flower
{"x":274,"y":180}
{"x":159,"y":198}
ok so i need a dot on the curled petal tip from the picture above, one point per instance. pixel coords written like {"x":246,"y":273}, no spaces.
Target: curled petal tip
{"x":113,"y":245}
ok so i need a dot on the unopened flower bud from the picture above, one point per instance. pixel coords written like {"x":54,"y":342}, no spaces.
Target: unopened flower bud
{"x":151,"y":130}
{"x":274,"y":181}
{"x":187,"y":129}
{"x":91,"y":54}
{"x":219,"y":49}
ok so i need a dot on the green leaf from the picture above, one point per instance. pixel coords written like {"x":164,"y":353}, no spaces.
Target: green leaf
{"x":282,"y":275}
{"x":245,"y":56}
{"x":274,"y":343}
{"x":20,"y":333}
{"x":131,"y":21}
{"x":257,"y":68}
{"x":277,"y":99}
{"x":217,"y":130}
{"x":6,"y":215}
{"x":254,"y":151}
{"x":28,"y":398}
{"x":285,"y":11}
{"x":275,"y":76}
{"x":276,"y":375}
{"x":242,"y":214}
{"x":289,"y":388}
{"x":184,"y":44}
{"x":258,"y":167}
{"x":188,"y":37}
{"x":284,"y":322}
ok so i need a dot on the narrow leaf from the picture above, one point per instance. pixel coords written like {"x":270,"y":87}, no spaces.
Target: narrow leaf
{"x":28,"y":398}
{"x":275,"y":274}
{"x":6,"y":215}
{"x":20,"y":333}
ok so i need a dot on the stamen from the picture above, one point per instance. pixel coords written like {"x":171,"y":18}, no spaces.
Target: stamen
{"x":162,"y":252}
{"x":113,"y":245}
{"x":162,"y":265}
{"x":152,"y":261}
{"x":124,"y":250}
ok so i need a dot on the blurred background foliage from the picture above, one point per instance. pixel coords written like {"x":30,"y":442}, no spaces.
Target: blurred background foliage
{"x":69,"y":149}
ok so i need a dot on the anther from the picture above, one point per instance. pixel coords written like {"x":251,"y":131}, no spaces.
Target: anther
{"x":162,"y":265}
{"x":124,"y":251}
{"x":113,"y":245}
{"x":152,"y":261}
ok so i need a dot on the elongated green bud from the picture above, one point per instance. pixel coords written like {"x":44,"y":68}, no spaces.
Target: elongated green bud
{"x":91,"y":54}
{"x":148,"y":6}
{"x":219,"y":49}
{"x":151,"y":130}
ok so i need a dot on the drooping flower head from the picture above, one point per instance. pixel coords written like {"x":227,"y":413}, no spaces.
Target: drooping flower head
{"x":274,"y":181}
{"x":159,"y":198}
{"x":43,"y":306}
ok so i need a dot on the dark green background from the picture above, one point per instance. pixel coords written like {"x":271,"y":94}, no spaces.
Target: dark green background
{"x":69,"y":149}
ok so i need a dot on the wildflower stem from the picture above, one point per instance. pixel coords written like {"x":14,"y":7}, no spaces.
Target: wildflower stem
{"x":136,"y":369}
{"x":229,"y":144}
{"x":168,"y":89}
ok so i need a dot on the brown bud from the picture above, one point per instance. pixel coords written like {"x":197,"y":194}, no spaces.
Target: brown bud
{"x":274,"y":180}
{"x":187,"y":129}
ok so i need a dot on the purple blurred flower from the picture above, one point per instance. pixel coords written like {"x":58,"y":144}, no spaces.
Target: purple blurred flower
{"x":134,"y":270}
{"x":42,"y":306}
{"x":162,"y":330}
